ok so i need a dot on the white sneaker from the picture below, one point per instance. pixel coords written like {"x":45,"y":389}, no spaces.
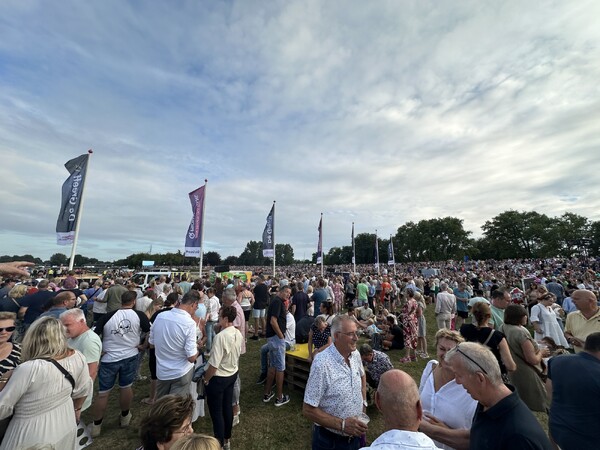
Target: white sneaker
{"x":96,"y":430}
{"x":236,"y":420}
{"x":124,"y":421}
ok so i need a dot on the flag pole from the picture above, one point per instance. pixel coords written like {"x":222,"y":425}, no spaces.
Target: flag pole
{"x":353,"y":249}
{"x":393,"y":255}
{"x":274,"y":245}
{"x":322,"y":252}
{"x":202,"y":230}
{"x":76,"y":237}
{"x":377,"y":251}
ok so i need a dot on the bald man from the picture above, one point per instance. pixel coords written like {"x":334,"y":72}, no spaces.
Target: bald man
{"x":583,"y":322}
{"x":398,"y":400}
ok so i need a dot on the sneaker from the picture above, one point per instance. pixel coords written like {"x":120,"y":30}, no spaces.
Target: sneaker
{"x":227,"y":446}
{"x":254,"y":338}
{"x":283,"y":400}
{"x":96,"y":430}
{"x":261,"y":378}
{"x":236,"y":420}
{"x":267,"y":397}
{"x":124,"y":421}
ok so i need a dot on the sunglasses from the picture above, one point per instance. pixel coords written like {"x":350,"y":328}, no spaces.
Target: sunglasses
{"x":470,"y":359}
{"x":9,"y":329}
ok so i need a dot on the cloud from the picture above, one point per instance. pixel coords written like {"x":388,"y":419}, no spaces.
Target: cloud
{"x":374,"y":112}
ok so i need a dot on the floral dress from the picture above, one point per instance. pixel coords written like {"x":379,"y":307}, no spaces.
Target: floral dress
{"x":338,"y":293}
{"x":410,"y":323}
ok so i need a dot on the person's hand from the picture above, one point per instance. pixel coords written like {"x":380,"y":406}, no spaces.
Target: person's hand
{"x":15,"y":268}
{"x":354,"y":427}
{"x":430,"y":420}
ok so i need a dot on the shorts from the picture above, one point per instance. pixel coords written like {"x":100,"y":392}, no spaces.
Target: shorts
{"x":276,"y":353}
{"x":107,"y":373}
{"x":463,"y":314}
{"x":246,"y":315}
{"x":256,"y":313}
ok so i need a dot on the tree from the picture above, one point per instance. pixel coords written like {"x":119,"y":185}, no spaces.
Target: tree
{"x":59,"y":259}
{"x":284,"y":254}
{"x":252,"y":255}
{"x":519,"y":234}
{"x":569,"y":233}
{"x":212,"y":258}
{"x":339,"y":255}
{"x":231,"y":261}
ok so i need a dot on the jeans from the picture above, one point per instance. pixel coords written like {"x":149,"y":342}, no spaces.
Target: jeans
{"x":264,"y":357}
{"x":210,"y":334}
{"x":323,"y":439}
{"x":219,"y":396}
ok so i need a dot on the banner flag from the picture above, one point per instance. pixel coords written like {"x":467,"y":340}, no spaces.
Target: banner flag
{"x":320,"y":246}
{"x":71,"y":199}
{"x":353,"y":246}
{"x":193,"y":237}
{"x":268,"y":235}
{"x":391,"y":258}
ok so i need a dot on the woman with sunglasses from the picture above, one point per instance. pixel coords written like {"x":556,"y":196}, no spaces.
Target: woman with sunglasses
{"x":10,"y":353}
{"x":448,"y":409}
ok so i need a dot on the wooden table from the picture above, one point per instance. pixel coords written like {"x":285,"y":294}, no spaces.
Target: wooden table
{"x":297,"y":367}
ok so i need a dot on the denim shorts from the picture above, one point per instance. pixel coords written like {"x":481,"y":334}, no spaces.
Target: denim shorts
{"x":107,"y":373}
{"x":276,"y":353}
{"x":259,"y":313}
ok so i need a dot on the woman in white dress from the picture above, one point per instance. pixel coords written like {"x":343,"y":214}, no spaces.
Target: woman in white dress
{"x":448,"y":409}
{"x":44,"y":401}
{"x":544,"y":320}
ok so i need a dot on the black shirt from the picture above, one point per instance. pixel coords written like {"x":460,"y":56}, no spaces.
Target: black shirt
{"x":507,"y":425}
{"x":261,"y":296}
{"x":276,"y":309}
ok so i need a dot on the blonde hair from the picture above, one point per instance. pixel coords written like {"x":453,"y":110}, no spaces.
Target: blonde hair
{"x":196,"y":442}
{"x":18,"y":291}
{"x":6,"y":315}
{"x":45,"y":339}
{"x":445,"y":333}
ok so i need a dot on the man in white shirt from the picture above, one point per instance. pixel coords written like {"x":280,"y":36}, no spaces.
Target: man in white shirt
{"x":398,"y":400}
{"x":121,"y":332}
{"x":173,"y":336}
{"x":445,"y":307}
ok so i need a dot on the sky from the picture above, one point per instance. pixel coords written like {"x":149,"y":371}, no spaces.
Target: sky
{"x":376,"y":113}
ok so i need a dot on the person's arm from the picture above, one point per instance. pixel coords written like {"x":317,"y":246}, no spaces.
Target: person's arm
{"x":293,"y":309}
{"x":310,"y":344}
{"x":22,"y":311}
{"x":549,"y":390}
{"x":529,"y":353}
{"x":439,"y":431}
{"x":93,"y":370}
{"x":276,"y":328}
{"x":350,"y":426}
{"x":506,"y":357}
{"x":210,"y":372}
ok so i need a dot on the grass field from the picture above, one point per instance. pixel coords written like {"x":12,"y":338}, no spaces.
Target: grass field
{"x":262,"y":426}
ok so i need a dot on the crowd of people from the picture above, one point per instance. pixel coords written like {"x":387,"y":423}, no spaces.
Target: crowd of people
{"x":506,"y":334}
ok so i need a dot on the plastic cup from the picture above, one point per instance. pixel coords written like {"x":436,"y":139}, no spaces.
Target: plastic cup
{"x":363,"y":418}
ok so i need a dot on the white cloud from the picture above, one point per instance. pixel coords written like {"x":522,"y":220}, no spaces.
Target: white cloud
{"x":374,"y":112}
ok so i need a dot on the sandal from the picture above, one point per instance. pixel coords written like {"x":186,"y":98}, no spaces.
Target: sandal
{"x":147,"y":401}
{"x":405,"y":360}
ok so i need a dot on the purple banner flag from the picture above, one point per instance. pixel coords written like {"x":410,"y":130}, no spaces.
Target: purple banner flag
{"x":71,"y":199}
{"x":269,"y":235}
{"x":193,"y":237}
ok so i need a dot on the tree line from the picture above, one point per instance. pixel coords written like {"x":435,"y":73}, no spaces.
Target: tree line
{"x":510,"y":234}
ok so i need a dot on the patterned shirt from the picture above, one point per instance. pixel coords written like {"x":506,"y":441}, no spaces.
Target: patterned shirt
{"x":334,"y":386}
{"x":12,"y":360}
{"x":379,"y":365}
{"x":320,"y":338}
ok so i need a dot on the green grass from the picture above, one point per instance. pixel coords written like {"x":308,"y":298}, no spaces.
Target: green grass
{"x":262,"y":426}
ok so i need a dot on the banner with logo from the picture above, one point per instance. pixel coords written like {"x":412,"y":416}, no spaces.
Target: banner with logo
{"x":193,"y":237}
{"x":320,"y":245}
{"x":72,"y":189}
{"x":268,"y":237}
